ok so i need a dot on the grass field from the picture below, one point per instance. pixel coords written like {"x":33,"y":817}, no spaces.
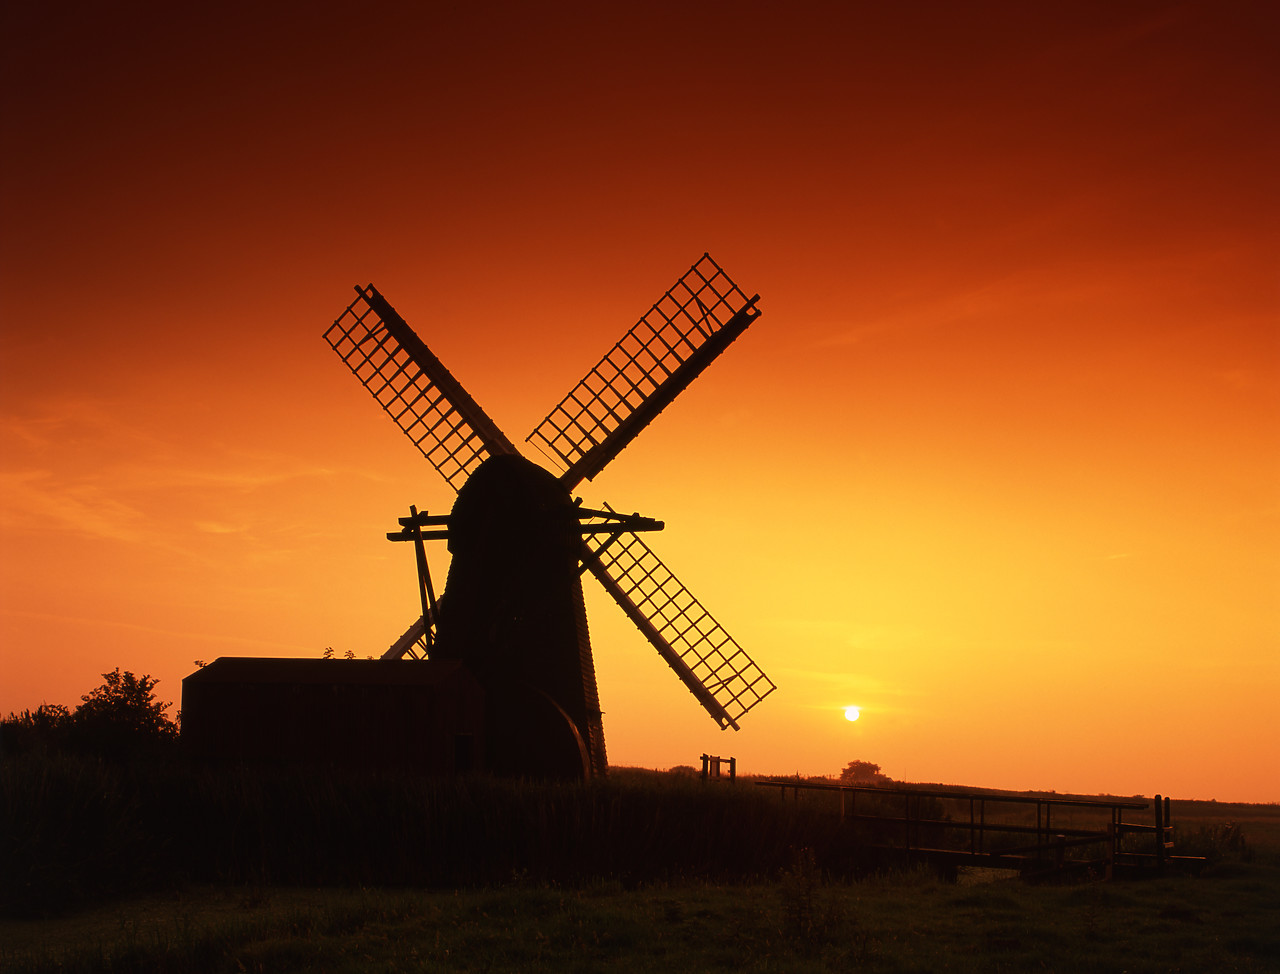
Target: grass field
{"x":1222,"y":921}
{"x":798,"y":920}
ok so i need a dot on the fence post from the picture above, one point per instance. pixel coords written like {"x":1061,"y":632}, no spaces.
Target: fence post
{"x":1041,"y":838}
{"x":1113,"y":840}
{"x":1159,"y":803}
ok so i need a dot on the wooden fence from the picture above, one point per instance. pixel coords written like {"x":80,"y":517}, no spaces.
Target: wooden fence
{"x":996,"y":830}
{"x":713,"y":765}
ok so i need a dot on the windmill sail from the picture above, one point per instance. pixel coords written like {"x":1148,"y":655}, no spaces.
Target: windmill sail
{"x":680,"y":336}
{"x":719,"y":673}
{"x":414,"y":387}
{"x":696,"y":320}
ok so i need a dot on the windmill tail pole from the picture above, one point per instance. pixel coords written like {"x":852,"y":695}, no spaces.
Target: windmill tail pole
{"x":425,"y":589}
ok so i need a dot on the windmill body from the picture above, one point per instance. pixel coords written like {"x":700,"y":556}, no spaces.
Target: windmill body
{"x":512,"y":610}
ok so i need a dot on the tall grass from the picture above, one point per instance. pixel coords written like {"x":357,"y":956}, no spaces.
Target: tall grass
{"x":76,"y":830}
{"x":71,"y":830}
{"x":1215,"y":842}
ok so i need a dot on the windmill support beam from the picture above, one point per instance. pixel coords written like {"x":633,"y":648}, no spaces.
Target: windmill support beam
{"x":408,"y":534}
{"x":415,"y":534}
{"x":425,"y":588}
{"x":597,"y":458}
{"x":413,"y":525}
{"x":643,"y":525}
{"x":641,"y":621}
{"x":422,"y":519}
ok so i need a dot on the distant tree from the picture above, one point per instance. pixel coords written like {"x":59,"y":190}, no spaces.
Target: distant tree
{"x":862,"y":773}
{"x":122,"y":717}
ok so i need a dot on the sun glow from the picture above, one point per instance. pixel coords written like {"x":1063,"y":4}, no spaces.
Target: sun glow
{"x":852,"y":713}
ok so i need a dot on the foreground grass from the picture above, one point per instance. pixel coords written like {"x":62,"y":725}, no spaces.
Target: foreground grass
{"x":642,"y":872}
{"x":1222,"y":921}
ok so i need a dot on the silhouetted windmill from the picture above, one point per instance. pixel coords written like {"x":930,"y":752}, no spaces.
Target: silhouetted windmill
{"x":512,"y":609}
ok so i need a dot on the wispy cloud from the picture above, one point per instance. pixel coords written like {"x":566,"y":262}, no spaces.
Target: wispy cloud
{"x":833,"y":677}
{"x":835,"y":690}
{"x":1033,"y":280}
{"x":1240,"y":379}
{"x":79,"y":467}
{"x":213,"y":527}
{"x":981,"y":300}
{"x":97,"y":623}
{"x":38,"y":500}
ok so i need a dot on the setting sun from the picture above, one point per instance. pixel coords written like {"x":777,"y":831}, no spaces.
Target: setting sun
{"x":852,"y":713}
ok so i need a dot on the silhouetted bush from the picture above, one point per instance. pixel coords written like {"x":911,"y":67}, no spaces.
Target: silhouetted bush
{"x":122,"y":718}
{"x":45,"y":728}
{"x":119,"y":720}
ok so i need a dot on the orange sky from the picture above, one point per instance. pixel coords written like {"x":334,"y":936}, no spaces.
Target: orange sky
{"x":999,"y":463}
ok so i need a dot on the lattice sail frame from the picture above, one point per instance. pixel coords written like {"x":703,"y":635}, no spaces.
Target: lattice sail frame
{"x":713,"y":657}
{"x":697,"y":306}
{"x":432,"y":417}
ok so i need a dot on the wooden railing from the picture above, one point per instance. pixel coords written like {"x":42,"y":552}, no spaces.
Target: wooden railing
{"x":976,"y":823}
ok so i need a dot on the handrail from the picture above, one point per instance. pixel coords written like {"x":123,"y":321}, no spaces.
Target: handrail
{"x":988,"y":796}
{"x":1050,"y":839}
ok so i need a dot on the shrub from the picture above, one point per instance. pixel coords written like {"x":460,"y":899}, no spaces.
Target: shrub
{"x":122,"y":717}
{"x":119,"y":719}
{"x":45,"y":728}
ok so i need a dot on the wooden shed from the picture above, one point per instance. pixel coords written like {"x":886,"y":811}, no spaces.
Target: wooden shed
{"x":422,"y":714}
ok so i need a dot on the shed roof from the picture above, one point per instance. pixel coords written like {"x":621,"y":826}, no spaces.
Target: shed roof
{"x":367,"y":672}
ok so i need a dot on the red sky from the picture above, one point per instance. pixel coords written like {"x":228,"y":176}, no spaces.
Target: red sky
{"x":999,"y":463}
